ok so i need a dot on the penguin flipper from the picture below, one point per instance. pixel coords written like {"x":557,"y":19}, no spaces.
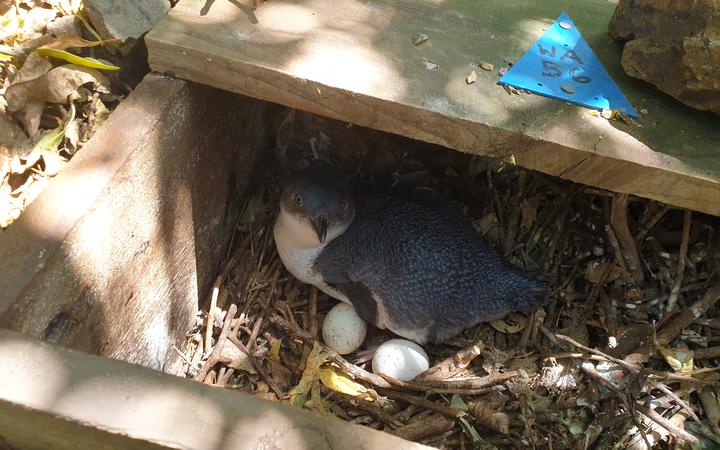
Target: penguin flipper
{"x":361,"y":298}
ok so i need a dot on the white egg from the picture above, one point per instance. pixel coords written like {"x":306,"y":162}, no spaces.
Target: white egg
{"x":343,"y":330}
{"x":400,"y":359}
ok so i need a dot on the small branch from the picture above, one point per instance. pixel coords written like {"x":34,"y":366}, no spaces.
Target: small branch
{"x":453,"y":365}
{"x":677,"y":400}
{"x":215,"y":354}
{"x":679,"y":433}
{"x":474,"y":383}
{"x":683,"y":320}
{"x":211,"y":313}
{"x":421,"y":402}
{"x":312,"y":311}
{"x":370,"y":408}
{"x":23,"y":50}
{"x":619,"y":221}
{"x":707,"y":353}
{"x":650,"y":224}
{"x":352,"y":369}
{"x":258,"y":368}
{"x":629,"y":366}
{"x":682,"y":255}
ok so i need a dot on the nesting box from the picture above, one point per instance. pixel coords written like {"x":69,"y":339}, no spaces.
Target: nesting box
{"x":114,"y":257}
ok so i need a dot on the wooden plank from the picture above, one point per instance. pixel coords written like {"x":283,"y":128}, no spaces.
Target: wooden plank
{"x":54,"y":398}
{"x":112,"y":257}
{"x":353,"y":60}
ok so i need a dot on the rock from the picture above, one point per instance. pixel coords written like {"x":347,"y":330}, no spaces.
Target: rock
{"x":674,"y":45}
{"x":124,"y":19}
{"x":65,"y":25}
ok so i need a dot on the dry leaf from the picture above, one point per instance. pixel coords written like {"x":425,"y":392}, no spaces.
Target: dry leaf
{"x":72,"y":136}
{"x":12,"y":137}
{"x":419,"y":38}
{"x":275,"y":350}
{"x":53,"y":163}
{"x":310,"y":375}
{"x":235,"y":358}
{"x":32,"y":70}
{"x":507,"y":326}
{"x":56,"y":86}
{"x":490,"y":417}
{"x":680,"y":359}
{"x":30,"y":116}
{"x":470,"y":79}
{"x":64,"y":81}
{"x":65,"y":41}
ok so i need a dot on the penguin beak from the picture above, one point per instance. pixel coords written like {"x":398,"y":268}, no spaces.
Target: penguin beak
{"x":320,"y":224}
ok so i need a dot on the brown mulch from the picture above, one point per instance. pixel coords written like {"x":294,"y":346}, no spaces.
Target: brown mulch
{"x":625,"y":352}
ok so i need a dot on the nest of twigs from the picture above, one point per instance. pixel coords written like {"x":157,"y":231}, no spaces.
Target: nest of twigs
{"x":624,"y":355}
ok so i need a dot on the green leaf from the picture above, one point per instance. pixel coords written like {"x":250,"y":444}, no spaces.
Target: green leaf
{"x":456,"y":402}
{"x":75,"y":59}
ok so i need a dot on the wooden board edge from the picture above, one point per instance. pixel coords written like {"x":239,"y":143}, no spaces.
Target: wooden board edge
{"x":77,"y":391}
{"x":669,"y":181}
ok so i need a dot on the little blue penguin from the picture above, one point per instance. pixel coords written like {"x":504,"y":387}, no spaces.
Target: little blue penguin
{"x":418,"y":269}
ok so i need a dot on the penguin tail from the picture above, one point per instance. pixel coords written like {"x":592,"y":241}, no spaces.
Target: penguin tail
{"x":533,"y":289}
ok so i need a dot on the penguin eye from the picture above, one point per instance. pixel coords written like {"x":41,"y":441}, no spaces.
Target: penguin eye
{"x":298,"y":200}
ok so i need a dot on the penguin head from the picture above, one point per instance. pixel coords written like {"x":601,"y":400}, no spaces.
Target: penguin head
{"x":318,"y":205}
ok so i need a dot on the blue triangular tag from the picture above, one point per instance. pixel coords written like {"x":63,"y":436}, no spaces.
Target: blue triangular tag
{"x":562,"y":66}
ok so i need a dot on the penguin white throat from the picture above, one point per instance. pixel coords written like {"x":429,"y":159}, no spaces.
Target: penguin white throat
{"x":298,"y":244}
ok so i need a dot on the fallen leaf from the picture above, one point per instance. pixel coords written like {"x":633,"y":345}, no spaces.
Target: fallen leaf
{"x":576,"y":421}
{"x":298,"y":395}
{"x":30,"y":116}
{"x":33,"y":69}
{"x":680,"y":359}
{"x":507,"y":326}
{"x":53,"y":163}
{"x":490,"y":417}
{"x":470,"y":79}
{"x":333,"y":379}
{"x":275,"y":350}
{"x":65,"y":41}
{"x":11,"y":136}
{"x":72,"y":136}
{"x":75,"y":59}
{"x":59,"y":85}
{"x":235,"y":358}
{"x":419,"y":38}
